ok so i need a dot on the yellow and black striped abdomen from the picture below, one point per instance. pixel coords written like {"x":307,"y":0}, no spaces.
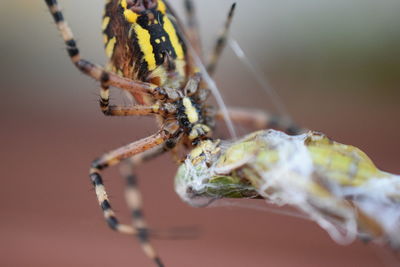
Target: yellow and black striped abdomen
{"x":144,"y":42}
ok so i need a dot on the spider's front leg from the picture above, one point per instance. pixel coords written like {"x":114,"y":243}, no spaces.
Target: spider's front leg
{"x":115,"y":157}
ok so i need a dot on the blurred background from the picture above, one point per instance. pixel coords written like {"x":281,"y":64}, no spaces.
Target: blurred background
{"x":335,"y":65}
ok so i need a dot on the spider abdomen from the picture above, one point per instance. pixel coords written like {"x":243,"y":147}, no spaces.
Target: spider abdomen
{"x":144,"y":43}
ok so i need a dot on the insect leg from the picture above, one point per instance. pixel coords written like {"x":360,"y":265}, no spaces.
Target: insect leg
{"x":193,"y":32}
{"x":220,"y":43}
{"x":113,"y":158}
{"x":261,"y":120}
{"x":88,"y":68}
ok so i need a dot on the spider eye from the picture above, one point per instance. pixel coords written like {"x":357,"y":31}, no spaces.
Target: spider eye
{"x":139,"y":6}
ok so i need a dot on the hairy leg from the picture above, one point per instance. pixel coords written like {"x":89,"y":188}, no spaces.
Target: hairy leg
{"x":220,"y":43}
{"x":113,"y":158}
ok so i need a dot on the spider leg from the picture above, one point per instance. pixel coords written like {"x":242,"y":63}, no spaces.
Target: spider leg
{"x":113,"y":110}
{"x":193,"y":32}
{"x":96,"y":72}
{"x":114,"y":157}
{"x":259,"y":119}
{"x":134,"y":198}
{"x":136,"y":110}
{"x":220,"y":43}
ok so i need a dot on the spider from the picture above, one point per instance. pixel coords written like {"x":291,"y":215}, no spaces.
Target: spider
{"x":152,"y":58}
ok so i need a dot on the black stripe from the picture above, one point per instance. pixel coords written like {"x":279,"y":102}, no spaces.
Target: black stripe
{"x":72,"y":51}
{"x":96,"y":179}
{"x":72,"y":48}
{"x":158,"y":262}
{"x":137,"y":214}
{"x":51,"y":2}
{"x":131,"y":180}
{"x":84,"y":65}
{"x":70,"y":43}
{"x":143,"y":235}
{"x":58,"y":16}
{"x":96,"y":164}
{"x":104,"y":79}
{"x":220,"y":42}
{"x":170,"y":143}
{"x":112,"y":222}
{"x":232,"y":10}
{"x":105,"y":205}
{"x":104,"y":103}
{"x":189,"y":6}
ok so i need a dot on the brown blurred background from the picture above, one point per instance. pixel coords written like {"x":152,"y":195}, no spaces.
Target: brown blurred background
{"x":335,"y":64}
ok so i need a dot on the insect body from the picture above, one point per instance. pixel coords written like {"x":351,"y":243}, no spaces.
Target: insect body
{"x":336,"y":185}
{"x":150,"y":60}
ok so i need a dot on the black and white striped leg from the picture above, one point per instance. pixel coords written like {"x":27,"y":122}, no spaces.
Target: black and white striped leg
{"x":259,"y":119}
{"x":113,"y":158}
{"x":134,"y":198}
{"x":220,"y":43}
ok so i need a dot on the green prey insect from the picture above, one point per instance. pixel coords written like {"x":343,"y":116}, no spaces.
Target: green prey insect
{"x":336,"y":185}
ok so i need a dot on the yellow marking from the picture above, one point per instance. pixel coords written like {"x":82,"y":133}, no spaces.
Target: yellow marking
{"x":104,"y":25}
{"x":163,"y":38}
{"x":159,"y":72}
{"x":143,"y":37}
{"x":169,"y":28}
{"x":180,"y":67}
{"x":206,"y":147}
{"x":158,"y":41}
{"x":197,"y":130}
{"x":162,"y":7}
{"x":156,"y":108}
{"x":105,"y":38}
{"x":130,"y":16}
{"x":110,"y":47}
{"x":190,"y":110}
{"x":124,"y":4}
